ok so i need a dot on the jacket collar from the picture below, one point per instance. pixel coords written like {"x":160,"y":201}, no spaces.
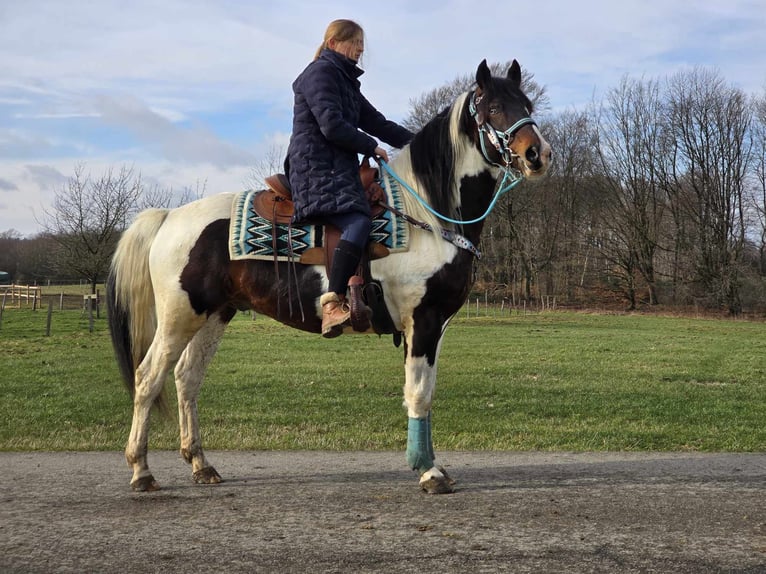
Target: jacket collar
{"x":347,"y":65}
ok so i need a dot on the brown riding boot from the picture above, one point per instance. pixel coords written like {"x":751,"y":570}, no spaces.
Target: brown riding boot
{"x":335,"y":314}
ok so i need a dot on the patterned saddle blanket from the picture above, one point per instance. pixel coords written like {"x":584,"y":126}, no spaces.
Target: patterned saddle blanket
{"x":254,"y":237}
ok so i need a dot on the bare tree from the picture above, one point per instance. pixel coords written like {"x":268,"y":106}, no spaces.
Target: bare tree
{"x":168,"y":198}
{"x":189,"y":193}
{"x":535,"y":245}
{"x":87,"y":217}
{"x":630,"y":145}
{"x":759,"y":170}
{"x":711,"y":126}
{"x":271,"y":163}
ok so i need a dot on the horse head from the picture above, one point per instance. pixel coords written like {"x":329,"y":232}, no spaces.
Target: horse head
{"x":508,"y":136}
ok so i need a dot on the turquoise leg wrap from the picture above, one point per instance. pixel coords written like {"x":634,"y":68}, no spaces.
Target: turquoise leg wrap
{"x":420,"y":455}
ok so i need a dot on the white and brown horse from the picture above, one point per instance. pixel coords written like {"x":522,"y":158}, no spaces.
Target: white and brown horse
{"x":173,"y":287}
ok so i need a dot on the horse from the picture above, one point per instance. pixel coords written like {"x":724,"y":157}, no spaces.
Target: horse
{"x":172,"y":286}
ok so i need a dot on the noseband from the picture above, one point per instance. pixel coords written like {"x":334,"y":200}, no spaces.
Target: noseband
{"x":501,"y":140}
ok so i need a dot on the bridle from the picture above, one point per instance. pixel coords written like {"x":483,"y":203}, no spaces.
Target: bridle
{"x":501,"y":140}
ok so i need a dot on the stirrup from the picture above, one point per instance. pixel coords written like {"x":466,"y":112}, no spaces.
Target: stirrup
{"x":360,"y":313}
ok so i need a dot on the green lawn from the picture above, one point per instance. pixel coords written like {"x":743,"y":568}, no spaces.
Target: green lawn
{"x":552,"y":381}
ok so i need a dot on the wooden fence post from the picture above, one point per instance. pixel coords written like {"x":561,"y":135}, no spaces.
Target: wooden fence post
{"x":90,"y":315}
{"x":50,"y":316}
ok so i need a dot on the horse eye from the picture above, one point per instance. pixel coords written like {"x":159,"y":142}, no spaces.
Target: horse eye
{"x":494,"y":110}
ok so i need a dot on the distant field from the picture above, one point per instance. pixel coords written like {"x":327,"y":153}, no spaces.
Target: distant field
{"x":551,"y":381}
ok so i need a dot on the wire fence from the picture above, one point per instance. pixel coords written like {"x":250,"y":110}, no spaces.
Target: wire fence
{"x":484,"y":306}
{"x":27,"y":296}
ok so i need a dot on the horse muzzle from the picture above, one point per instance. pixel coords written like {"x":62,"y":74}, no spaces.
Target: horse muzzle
{"x":536,"y":159}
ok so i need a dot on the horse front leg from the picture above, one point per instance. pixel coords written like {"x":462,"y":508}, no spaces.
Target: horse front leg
{"x":421,"y":352}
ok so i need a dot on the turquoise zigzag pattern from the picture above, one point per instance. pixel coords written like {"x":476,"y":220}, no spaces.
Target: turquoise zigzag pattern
{"x":252,"y":237}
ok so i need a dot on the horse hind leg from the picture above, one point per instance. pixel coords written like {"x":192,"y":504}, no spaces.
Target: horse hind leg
{"x":189,"y":374}
{"x":150,"y":379}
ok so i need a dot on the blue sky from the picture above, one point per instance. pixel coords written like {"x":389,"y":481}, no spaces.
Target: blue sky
{"x":190,"y":91}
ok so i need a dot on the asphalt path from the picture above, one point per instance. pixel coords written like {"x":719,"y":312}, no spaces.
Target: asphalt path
{"x":363,"y":512}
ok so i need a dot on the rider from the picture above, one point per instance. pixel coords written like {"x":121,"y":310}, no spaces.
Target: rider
{"x":330,"y":118}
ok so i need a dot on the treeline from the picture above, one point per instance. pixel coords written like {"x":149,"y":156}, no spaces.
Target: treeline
{"x":657,"y":196}
{"x":82,"y":226}
{"x":30,"y":261}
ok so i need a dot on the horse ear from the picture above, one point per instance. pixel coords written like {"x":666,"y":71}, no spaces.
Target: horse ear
{"x":483,"y":75}
{"x":514,"y":73}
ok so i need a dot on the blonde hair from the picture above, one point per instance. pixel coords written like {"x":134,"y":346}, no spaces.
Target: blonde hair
{"x":340,"y":31}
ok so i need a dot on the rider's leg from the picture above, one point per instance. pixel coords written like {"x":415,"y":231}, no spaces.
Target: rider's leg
{"x":355,"y":232}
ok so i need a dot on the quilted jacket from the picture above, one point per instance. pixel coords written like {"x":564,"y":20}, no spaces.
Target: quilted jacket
{"x":331,"y":123}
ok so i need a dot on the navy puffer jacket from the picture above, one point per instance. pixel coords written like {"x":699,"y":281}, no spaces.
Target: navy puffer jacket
{"x":322,"y":158}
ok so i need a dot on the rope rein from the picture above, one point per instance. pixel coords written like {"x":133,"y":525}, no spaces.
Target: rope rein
{"x":455,"y":238}
{"x":512,"y":177}
{"x":511,"y":174}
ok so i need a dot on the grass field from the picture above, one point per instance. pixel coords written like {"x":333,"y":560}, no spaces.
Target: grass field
{"x":552,"y":381}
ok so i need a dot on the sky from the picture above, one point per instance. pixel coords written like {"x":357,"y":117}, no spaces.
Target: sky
{"x":192,"y":94}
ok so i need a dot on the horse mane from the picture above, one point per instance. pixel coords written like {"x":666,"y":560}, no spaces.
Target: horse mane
{"x":432,"y":157}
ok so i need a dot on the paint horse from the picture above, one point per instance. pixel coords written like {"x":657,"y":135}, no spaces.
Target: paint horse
{"x":173,"y":287}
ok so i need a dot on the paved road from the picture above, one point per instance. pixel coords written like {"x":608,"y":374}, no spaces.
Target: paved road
{"x":362,"y":512}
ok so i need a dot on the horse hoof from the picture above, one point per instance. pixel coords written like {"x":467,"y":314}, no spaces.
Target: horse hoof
{"x":207,"y":475}
{"x":449,"y":479}
{"x":437,"y":486}
{"x":145,"y":484}
{"x":436,"y":481}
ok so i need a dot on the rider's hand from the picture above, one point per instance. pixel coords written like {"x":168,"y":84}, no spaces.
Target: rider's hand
{"x":381,"y":153}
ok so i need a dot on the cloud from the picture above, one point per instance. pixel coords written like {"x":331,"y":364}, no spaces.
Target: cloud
{"x":45,"y":176}
{"x":30,"y":190}
{"x":20,"y":143}
{"x":193,"y":144}
{"x":6,"y":185}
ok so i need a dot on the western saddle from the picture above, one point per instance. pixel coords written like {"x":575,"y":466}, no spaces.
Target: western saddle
{"x":275,"y":204}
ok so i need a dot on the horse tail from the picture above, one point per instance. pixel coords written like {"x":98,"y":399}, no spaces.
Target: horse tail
{"x":130,"y":295}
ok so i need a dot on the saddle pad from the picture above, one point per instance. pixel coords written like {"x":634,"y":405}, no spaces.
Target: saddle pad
{"x":250,"y":236}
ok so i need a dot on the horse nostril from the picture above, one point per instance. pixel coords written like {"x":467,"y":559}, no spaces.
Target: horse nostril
{"x":533,"y":154}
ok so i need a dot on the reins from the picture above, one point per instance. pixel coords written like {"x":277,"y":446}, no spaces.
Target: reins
{"x":455,"y":238}
{"x":501,"y":141}
{"x":514,"y":175}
